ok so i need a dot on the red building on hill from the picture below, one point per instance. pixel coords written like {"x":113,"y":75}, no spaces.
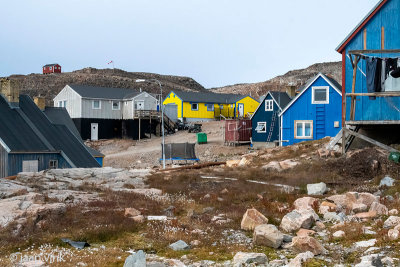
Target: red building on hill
{"x":51,"y":68}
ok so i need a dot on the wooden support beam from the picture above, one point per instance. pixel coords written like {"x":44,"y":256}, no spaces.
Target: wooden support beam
{"x":379,"y":94}
{"x":353,"y":89}
{"x":382,"y":51}
{"x":369,"y":140}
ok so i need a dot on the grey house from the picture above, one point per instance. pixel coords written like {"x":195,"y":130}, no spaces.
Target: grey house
{"x":105,"y":113}
{"x":30,"y":142}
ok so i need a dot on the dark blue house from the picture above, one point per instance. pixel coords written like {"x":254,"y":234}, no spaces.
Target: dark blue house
{"x":265,"y":120}
{"x":314,"y":113}
{"x":377,"y":110}
{"x":29,"y":141}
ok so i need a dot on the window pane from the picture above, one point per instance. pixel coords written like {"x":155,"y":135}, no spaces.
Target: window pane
{"x":299,"y":129}
{"x":307,"y":127}
{"x":96,"y":104}
{"x":320,"y":95}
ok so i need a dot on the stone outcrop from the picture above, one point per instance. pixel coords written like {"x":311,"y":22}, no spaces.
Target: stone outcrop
{"x":307,"y":243}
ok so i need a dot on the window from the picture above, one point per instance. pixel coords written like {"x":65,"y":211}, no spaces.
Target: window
{"x":221,"y":107}
{"x":320,"y":95}
{"x":195,"y":106}
{"x":269,"y":105}
{"x":62,"y":104}
{"x":115,"y":105}
{"x":210,"y":107}
{"x":96,"y":104}
{"x":231,"y":105}
{"x":303,"y":129}
{"x":261,"y":127}
{"x":53,"y":164}
{"x":30,"y":166}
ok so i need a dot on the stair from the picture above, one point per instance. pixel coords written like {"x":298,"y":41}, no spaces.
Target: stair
{"x":274,"y":121}
{"x":320,"y":122}
{"x":350,"y":138}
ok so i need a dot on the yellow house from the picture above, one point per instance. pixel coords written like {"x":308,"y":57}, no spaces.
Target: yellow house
{"x":199,"y":106}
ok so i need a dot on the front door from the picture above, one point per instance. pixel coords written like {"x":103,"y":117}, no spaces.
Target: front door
{"x":241,"y":109}
{"x":94,"y":131}
{"x":140,"y":105}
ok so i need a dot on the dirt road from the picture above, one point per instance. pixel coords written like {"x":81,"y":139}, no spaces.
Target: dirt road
{"x":146,"y":153}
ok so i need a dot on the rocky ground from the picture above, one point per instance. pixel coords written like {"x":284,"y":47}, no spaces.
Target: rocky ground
{"x":295,"y":206}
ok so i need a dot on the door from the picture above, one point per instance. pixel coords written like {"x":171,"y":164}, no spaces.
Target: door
{"x":241,"y":109}
{"x":94,"y":131}
{"x":30,"y":166}
{"x":140,"y":105}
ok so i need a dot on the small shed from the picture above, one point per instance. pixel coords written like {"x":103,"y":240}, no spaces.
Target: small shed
{"x":51,"y":68}
{"x":237,"y":131}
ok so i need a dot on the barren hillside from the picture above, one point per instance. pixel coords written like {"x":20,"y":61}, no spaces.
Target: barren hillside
{"x":48,"y":86}
{"x":280,"y":83}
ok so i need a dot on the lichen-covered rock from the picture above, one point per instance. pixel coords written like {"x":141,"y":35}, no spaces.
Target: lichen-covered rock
{"x":297,"y":219}
{"x":380,"y":209}
{"x":391,"y":222}
{"x":316,"y":189}
{"x":251,"y":219}
{"x":307,"y":243}
{"x":267,"y":235}
{"x":243,"y":259}
{"x":305,"y":203}
{"x":300,"y":259}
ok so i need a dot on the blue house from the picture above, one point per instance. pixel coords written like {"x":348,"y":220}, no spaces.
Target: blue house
{"x":265,"y":120}
{"x":314,"y":113}
{"x":376,"y":111}
{"x":378,"y":35}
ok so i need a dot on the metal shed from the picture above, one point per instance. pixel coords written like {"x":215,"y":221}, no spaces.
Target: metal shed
{"x":237,"y":131}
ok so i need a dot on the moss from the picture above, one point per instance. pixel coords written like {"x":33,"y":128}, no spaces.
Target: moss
{"x":315,"y":263}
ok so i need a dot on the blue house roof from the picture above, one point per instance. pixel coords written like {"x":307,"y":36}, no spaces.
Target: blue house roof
{"x":332,"y":82}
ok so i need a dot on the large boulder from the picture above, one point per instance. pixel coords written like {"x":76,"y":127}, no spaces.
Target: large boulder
{"x":136,"y":260}
{"x":288,"y":164}
{"x":307,"y":243}
{"x":327,"y":207}
{"x":380,"y":209}
{"x":251,"y":219}
{"x":305,"y":203}
{"x":316,"y":189}
{"x":391,"y":222}
{"x":267,"y":235}
{"x":243,"y":259}
{"x":297,"y":219}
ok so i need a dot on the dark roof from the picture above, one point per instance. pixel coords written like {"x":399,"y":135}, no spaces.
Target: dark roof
{"x":334,"y":82}
{"x":51,"y":65}
{"x":60,"y":116}
{"x":282,"y":98}
{"x":208,"y":97}
{"x":58,"y":136}
{"x":103,"y":92}
{"x":16,"y":133}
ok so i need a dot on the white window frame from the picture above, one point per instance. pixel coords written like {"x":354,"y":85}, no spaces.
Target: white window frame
{"x":313,"y":94}
{"x":53,"y":164}
{"x":303,"y":136}
{"x":93,"y":107}
{"x":197,"y":106}
{"x":269,"y":105}
{"x":119,"y":105}
{"x":259,"y":125}
{"x":62,"y":103}
{"x":210,"y":107}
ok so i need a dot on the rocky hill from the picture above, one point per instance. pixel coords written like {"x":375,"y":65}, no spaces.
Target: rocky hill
{"x":49,"y":86}
{"x":280,"y":83}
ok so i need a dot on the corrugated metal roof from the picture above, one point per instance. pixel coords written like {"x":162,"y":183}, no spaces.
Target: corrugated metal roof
{"x":60,"y":116}
{"x":208,"y":97}
{"x":281,"y":98}
{"x":58,"y":136}
{"x":16,"y":133}
{"x":51,"y":65}
{"x":104,"y":92}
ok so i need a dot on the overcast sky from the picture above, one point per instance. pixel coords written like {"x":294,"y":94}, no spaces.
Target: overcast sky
{"x":216,"y":42}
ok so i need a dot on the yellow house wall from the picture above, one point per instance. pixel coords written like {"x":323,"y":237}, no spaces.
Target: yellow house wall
{"x":250,"y":105}
{"x":174,"y":99}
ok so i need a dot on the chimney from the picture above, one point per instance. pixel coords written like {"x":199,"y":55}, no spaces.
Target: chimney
{"x":10,"y":90}
{"x":40,"y":102}
{"x":291,"y":90}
